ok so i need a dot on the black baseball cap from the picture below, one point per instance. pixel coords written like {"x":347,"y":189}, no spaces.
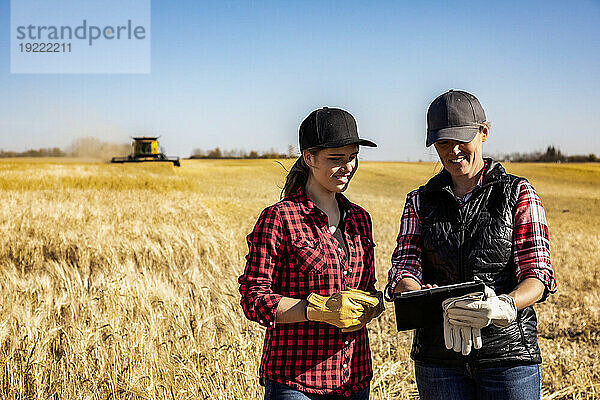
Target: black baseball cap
{"x":454,"y":115}
{"x":330,"y":127}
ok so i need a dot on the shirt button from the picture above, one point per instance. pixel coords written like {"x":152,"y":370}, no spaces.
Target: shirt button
{"x":271,"y":323}
{"x":346,"y":343}
{"x":261,"y":321}
{"x":350,"y":270}
{"x":345,"y":272}
{"x":345,"y":365}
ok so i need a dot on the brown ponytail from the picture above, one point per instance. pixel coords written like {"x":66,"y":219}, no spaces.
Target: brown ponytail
{"x":298,"y":175}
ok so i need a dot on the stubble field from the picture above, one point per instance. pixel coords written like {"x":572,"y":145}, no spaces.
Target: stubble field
{"x":120,"y":281}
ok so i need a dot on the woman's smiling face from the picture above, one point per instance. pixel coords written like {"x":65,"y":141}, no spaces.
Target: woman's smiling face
{"x":333,"y":168}
{"x":462,"y":159}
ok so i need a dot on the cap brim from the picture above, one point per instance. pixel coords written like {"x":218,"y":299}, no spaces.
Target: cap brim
{"x":348,"y":141}
{"x":459,"y":133}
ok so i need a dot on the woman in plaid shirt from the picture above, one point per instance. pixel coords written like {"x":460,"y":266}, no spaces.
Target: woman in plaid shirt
{"x":474,"y":221}
{"x":309,"y":277}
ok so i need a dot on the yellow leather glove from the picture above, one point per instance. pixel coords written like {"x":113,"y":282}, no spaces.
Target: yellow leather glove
{"x":380,"y":307}
{"x":345,"y":309}
{"x":372,"y":312}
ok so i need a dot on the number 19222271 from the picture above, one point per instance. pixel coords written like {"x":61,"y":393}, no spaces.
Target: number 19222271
{"x":45,"y":47}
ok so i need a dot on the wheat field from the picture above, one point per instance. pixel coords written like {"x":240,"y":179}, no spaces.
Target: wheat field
{"x":120,"y":281}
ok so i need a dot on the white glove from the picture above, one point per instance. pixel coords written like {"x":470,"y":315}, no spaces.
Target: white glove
{"x":498,"y":310}
{"x":461,"y":338}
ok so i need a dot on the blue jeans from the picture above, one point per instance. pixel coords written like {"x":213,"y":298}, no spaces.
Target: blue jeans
{"x":278,"y":391}
{"x":521,"y":382}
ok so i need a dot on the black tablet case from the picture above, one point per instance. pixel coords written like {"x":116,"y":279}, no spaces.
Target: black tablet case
{"x":423,"y":308}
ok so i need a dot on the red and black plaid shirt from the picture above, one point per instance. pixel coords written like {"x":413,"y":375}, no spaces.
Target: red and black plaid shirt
{"x":292,"y":253}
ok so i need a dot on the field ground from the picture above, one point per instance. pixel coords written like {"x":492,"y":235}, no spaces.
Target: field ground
{"x":120,"y":281}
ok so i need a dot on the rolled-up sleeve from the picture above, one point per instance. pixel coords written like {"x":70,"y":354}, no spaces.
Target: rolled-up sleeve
{"x":265,"y":242}
{"x":531,"y":240}
{"x":407,"y":256}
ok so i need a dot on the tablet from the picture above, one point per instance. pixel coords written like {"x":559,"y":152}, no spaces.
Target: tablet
{"x":423,"y":308}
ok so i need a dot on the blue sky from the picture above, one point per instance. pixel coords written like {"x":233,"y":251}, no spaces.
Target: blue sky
{"x":243,"y":75}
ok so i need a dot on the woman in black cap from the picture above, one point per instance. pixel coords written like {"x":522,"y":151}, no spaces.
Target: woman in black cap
{"x":473,"y":221}
{"x":309,"y":277}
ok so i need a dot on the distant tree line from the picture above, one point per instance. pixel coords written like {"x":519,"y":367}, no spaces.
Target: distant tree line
{"x":90,"y":147}
{"x":49,"y":152}
{"x":86,"y":147}
{"x":552,"y":154}
{"x":241,"y":154}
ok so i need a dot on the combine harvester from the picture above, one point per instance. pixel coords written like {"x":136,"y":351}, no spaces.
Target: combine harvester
{"x":145,"y":149}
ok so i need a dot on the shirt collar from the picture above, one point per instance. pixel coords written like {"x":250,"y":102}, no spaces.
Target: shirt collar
{"x":307,"y":205}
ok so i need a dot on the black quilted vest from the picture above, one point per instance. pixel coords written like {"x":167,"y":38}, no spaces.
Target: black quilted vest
{"x":474,"y":241}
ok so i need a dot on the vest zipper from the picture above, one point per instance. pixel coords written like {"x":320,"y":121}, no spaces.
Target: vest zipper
{"x":461,"y":264}
{"x":461,"y":267}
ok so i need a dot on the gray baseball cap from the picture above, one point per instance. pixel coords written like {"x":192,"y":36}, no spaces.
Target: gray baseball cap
{"x":454,"y":115}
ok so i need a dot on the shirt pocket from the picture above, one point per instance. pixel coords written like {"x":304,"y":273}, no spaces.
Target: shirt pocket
{"x":309,"y":255}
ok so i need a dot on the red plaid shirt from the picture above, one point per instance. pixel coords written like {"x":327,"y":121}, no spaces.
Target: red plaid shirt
{"x":531,"y":246}
{"x":292,"y":253}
